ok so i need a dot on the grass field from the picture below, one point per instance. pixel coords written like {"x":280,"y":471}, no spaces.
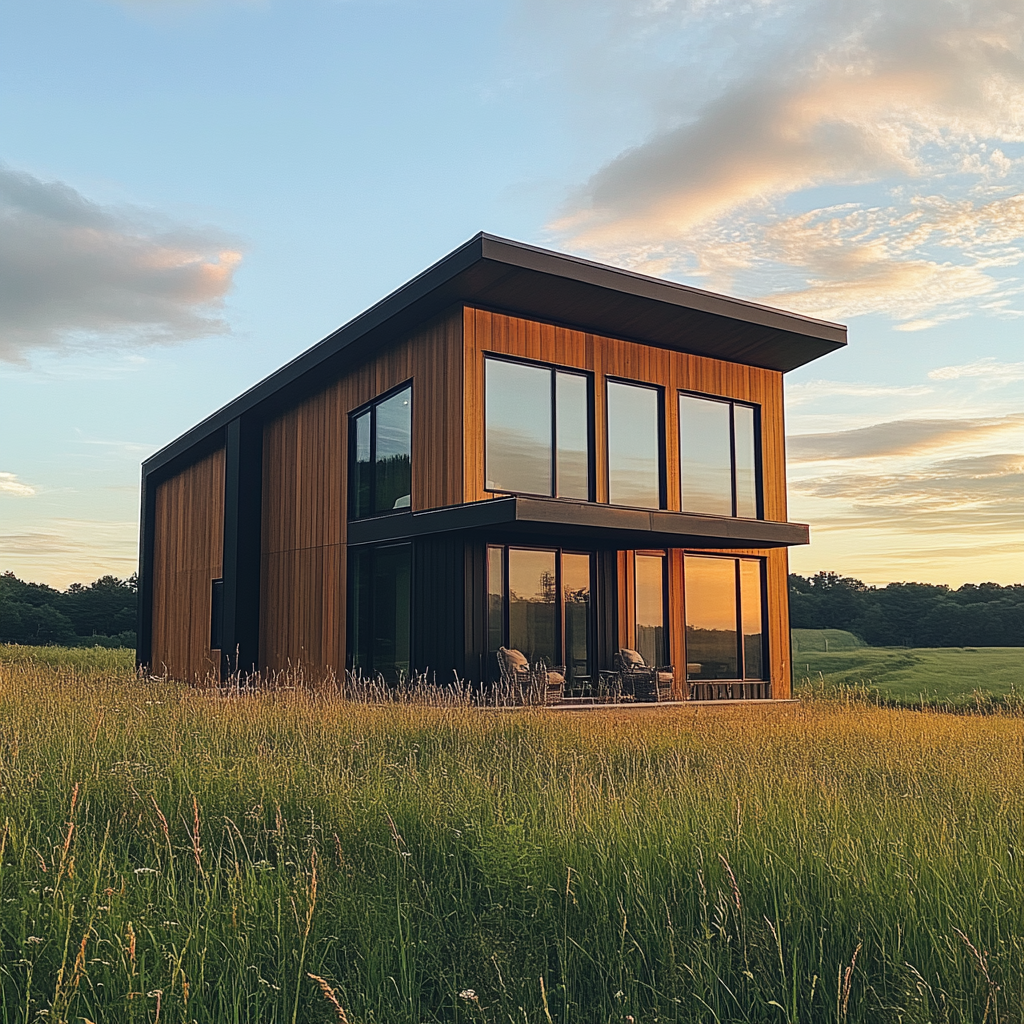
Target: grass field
{"x":172,"y":855}
{"x":943,"y":674}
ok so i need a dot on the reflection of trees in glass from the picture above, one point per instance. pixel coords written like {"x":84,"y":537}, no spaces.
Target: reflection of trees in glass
{"x":394,"y":482}
{"x":714,"y":650}
{"x":650,"y":643}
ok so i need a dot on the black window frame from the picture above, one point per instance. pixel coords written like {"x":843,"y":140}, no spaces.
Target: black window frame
{"x":371,"y":408}
{"x":216,"y":614}
{"x":659,"y":389}
{"x":351,"y":627}
{"x":554,"y":369}
{"x":559,"y":550}
{"x":666,"y":596}
{"x":741,"y":661}
{"x":758,"y":467}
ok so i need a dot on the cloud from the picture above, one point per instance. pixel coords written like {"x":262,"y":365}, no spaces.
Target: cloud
{"x":899,"y":437}
{"x":813,"y":390}
{"x":74,"y":274}
{"x":897,"y":261}
{"x":987,"y":369}
{"x":956,"y":495}
{"x":831,"y":93}
{"x":61,"y":551}
{"x":10,"y":484}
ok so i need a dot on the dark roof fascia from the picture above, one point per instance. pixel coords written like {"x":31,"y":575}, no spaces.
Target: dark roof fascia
{"x":498,"y":273}
{"x":582,"y":522}
{"x":658,"y":289}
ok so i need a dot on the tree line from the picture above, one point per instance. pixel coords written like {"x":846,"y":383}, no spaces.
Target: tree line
{"x":101,"y":613}
{"x":897,"y":615}
{"x":910,"y":614}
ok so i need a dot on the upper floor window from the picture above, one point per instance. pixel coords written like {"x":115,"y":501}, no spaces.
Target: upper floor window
{"x":537,"y":430}
{"x":381,"y":442}
{"x":634,"y":445}
{"x":718,"y":457}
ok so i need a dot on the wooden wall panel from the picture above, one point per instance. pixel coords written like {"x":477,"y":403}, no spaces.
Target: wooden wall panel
{"x":487,"y":331}
{"x":608,"y":357}
{"x":187,"y":555}
{"x":305,"y":489}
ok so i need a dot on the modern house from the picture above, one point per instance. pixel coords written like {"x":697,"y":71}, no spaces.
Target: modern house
{"x":515,"y":449}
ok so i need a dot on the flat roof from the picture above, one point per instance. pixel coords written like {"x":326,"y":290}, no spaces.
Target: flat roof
{"x":524,"y":280}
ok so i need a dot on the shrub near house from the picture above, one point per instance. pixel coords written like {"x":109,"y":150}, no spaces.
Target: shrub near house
{"x":102,"y":613}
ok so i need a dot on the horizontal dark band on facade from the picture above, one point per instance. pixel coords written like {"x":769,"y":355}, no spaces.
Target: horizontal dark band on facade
{"x":581,"y":523}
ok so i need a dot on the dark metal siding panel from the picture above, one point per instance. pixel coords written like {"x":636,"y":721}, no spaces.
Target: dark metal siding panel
{"x":475,"y":590}
{"x":606,"y":610}
{"x":438,"y":607}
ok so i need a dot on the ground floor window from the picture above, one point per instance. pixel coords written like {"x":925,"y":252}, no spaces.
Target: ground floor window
{"x":650,"y":607}
{"x":724,"y":617}
{"x":380,"y":590}
{"x":539,"y":602}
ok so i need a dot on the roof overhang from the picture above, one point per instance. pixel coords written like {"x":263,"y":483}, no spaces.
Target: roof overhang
{"x":523,"y":280}
{"x":557,"y":520}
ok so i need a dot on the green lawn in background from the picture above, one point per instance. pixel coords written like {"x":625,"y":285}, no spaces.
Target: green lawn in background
{"x":83,"y":659}
{"x":908,"y":674}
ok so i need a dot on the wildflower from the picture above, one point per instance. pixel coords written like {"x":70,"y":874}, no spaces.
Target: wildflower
{"x":146,"y":871}
{"x":468,"y":993}
{"x":33,"y":939}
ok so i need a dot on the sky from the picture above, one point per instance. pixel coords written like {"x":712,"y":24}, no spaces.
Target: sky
{"x":194,"y":191}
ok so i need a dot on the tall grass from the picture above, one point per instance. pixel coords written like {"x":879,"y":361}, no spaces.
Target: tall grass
{"x":168,"y":854}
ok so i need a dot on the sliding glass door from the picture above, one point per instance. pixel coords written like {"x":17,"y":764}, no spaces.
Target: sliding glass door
{"x":539,"y":603}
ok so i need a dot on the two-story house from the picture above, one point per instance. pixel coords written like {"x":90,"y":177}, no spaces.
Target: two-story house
{"x":517,"y":448}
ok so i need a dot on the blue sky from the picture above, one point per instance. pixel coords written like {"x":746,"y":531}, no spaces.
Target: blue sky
{"x":191,"y":193}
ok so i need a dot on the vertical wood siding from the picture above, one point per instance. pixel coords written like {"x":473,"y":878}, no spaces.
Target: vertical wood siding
{"x":187,"y":556}
{"x":486,"y":331}
{"x":305,"y":489}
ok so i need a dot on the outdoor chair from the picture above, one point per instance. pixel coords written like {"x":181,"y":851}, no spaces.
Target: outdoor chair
{"x":645,"y":682}
{"x":532,"y":684}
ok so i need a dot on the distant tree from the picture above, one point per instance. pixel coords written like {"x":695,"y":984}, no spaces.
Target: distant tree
{"x":825,"y":601}
{"x":910,"y":614}
{"x":103,"y":612}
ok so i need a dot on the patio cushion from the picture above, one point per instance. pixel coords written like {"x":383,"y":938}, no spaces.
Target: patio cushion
{"x":515,"y":659}
{"x":556,"y":679}
{"x":631,"y":658}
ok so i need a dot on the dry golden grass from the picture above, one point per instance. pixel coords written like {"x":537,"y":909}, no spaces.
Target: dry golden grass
{"x":177,"y":853}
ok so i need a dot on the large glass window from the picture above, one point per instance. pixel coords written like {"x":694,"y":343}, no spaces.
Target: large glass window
{"x":381,"y":459}
{"x":718,"y":457}
{"x":532,"y":604}
{"x":576,"y":614}
{"x":634,"y":445}
{"x":537,"y":435}
{"x":380,"y":591}
{"x":650,"y":609}
{"x":538,"y":602}
{"x":724,"y":617}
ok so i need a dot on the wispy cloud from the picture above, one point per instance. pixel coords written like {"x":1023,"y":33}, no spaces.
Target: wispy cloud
{"x":955,"y":495}
{"x":60,"y":551}
{"x":816,"y":390}
{"x":987,"y":369}
{"x":75,"y":274}
{"x":898,"y":437}
{"x":10,"y":484}
{"x":922,"y":96}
